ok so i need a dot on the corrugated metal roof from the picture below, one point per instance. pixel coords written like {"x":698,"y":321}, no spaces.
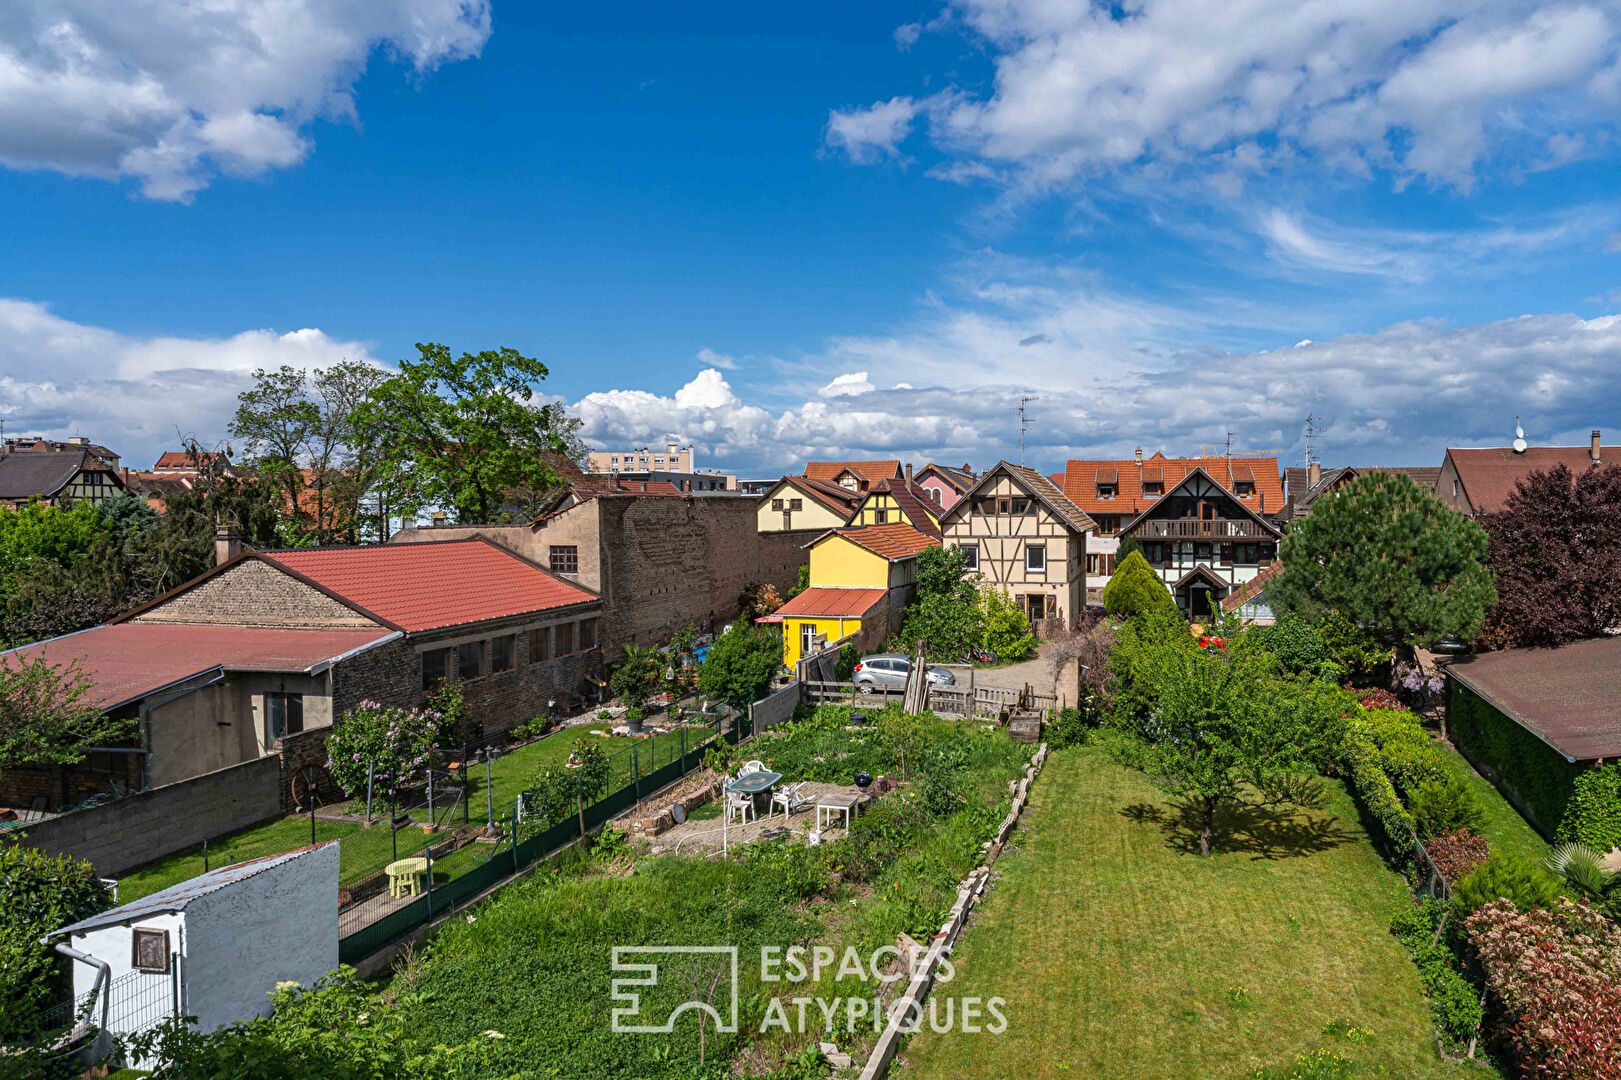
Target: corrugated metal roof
{"x":177,"y":897}
{"x":832,"y":602}
{"x":434,"y":584}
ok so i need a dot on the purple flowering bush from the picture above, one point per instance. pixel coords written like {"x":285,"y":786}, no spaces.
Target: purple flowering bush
{"x":397,"y":743}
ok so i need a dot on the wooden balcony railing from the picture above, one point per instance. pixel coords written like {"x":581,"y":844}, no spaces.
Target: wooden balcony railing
{"x":1201,"y":529}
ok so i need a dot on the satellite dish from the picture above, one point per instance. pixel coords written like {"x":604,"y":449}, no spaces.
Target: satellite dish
{"x":1519,"y":446}
{"x":1519,"y":437}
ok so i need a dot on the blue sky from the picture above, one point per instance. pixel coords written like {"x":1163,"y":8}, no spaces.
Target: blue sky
{"x":864,"y":232}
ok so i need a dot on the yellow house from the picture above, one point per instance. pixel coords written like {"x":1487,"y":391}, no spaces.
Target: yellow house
{"x":861,"y":578}
{"x":796,"y":504}
{"x":891,"y":501}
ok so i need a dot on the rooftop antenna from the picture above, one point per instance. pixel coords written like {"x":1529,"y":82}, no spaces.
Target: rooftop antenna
{"x":1315,"y":427}
{"x":1024,"y":422}
{"x":1227,"y":455}
{"x":1519,"y":437}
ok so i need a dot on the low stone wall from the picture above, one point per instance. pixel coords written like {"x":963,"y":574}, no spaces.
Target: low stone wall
{"x":907,"y":1012}
{"x":127,"y":833}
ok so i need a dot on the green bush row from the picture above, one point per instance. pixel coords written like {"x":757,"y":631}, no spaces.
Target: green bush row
{"x":1365,"y":767}
{"x":1454,"y":1001}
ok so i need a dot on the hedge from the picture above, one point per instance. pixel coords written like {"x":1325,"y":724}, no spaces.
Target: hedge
{"x":1363,"y":762}
{"x":1593,"y":815}
{"x":1533,"y":774}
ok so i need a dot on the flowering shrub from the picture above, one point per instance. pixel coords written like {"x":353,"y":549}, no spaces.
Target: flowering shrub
{"x":1418,"y":686}
{"x":1558,"y":974}
{"x":1210,"y":641}
{"x":1377,"y":699}
{"x":397,"y":744}
{"x":1457,"y":853}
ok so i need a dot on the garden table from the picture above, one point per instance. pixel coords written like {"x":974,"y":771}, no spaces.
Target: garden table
{"x":404,"y":875}
{"x":828,"y":805}
{"x":751,"y":784}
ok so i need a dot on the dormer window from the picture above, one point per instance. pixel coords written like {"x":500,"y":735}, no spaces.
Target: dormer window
{"x":1244,"y":489}
{"x":1106,"y":491}
{"x":1153,"y":491}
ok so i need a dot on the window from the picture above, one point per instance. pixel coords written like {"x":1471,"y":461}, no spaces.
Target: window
{"x":540,"y":645}
{"x":796,"y":504}
{"x":1153,"y":490}
{"x":1101,"y":565}
{"x":1201,"y":552}
{"x":1021,"y":506}
{"x":565,"y":638}
{"x":1454,"y":487}
{"x":1106,"y":491}
{"x":880,"y":517}
{"x":979,"y":506}
{"x":470,"y":660}
{"x":776,"y":504}
{"x":1108,"y":524}
{"x":970,"y":556}
{"x":1244,"y":489}
{"x":807,"y":638}
{"x":503,"y":653}
{"x":435,"y":667}
{"x":1035,"y":559}
{"x":1246,"y":554}
{"x":284,"y":714}
{"x":565,"y":559}
{"x":588,"y":634}
{"x":1003,"y":506}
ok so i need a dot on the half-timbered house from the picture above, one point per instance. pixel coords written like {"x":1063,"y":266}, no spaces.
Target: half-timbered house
{"x":1022,"y":534}
{"x":889,"y":501}
{"x":56,"y":477}
{"x":1203,"y":542}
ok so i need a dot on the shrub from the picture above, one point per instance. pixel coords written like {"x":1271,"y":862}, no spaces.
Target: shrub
{"x":1069,"y":728}
{"x":1504,"y":876}
{"x":1583,"y":868}
{"x":1297,"y":646}
{"x":1134,"y":589}
{"x":1558,"y":975}
{"x":455,"y":728}
{"x":1378,"y":698}
{"x":1445,"y":805}
{"x":739,"y":665}
{"x":553,"y":790}
{"x":1455,"y":1004}
{"x":849,"y":657}
{"x":1458,"y":853}
{"x":396,"y":744}
{"x":1404,"y":750}
{"x":38,"y":893}
{"x":1359,"y":654}
{"x":1006,"y":628}
{"x":1378,"y":794}
{"x":1593,"y":814}
{"x":801,"y":871}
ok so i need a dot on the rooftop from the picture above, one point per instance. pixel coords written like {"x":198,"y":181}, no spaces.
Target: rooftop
{"x":1488,"y":474}
{"x":828,"y":602}
{"x":1569,"y":697}
{"x":128,"y":661}
{"x":433,"y":584}
{"x":897,"y":540}
{"x":1080,"y":481}
{"x":870,"y":471}
{"x":43,"y":473}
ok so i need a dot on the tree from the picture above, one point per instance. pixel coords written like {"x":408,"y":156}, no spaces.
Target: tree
{"x":1005,"y":628}
{"x":946,"y":614}
{"x":464,"y":432}
{"x":45,"y":718}
{"x":181,"y":545}
{"x":38,"y":893}
{"x":275,"y":419}
{"x":1134,"y":589}
{"x":637,"y":676}
{"x":801,"y":583}
{"x":740,"y":664}
{"x":383,"y":748}
{"x":1555,"y":552}
{"x":1127,"y":545}
{"x":1216,"y":722}
{"x":1392,"y":558}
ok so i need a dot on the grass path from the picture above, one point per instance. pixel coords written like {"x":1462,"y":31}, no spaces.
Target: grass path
{"x":1120,"y":954}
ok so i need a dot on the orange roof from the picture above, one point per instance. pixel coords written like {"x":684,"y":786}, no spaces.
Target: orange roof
{"x":820,"y":601}
{"x":1080,"y":481}
{"x":1252,"y":588}
{"x":897,"y":540}
{"x":181,"y":459}
{"x":869,"y":471}
{"x":435,"y":583}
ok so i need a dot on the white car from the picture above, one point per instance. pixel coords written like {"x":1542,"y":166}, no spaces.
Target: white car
{"x":889,"y":670}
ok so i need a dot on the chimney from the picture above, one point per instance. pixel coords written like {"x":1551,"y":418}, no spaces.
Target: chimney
{"x":227,"y":545}
{"x":1314,"y":473}
{"x":1139,"y":455}
{"x":1593,"y":448}
{"x":909,"y":464}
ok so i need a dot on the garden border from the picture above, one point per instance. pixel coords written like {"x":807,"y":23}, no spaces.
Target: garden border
{"x":910,"y":1004}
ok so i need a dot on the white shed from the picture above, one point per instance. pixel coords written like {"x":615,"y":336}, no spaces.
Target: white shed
{"x":213,"y":947}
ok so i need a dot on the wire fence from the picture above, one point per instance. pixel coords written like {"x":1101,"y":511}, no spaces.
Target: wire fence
{"x":131,"y":1003}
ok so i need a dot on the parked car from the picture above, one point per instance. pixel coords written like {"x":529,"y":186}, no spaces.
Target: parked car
{"x":889,"y":670}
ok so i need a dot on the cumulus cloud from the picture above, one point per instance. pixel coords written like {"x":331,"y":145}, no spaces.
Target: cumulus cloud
{"x":1424,"y":88}
{"x":850,"y":384}
{"x":59,"y":378}
{"x":170,"y":95}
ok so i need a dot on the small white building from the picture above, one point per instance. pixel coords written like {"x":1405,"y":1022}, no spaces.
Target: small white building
{"x":213,"y":947}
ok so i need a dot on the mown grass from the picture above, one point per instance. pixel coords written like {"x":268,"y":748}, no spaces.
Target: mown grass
{"x":1122,"y":953}
{"x":364,"y":852}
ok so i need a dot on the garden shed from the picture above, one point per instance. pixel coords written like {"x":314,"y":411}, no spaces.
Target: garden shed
{"x":213,"y":947}
{"x":1533,"y":720}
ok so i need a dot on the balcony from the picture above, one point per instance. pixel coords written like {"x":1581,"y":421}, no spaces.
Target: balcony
{"x":1202,"y":529}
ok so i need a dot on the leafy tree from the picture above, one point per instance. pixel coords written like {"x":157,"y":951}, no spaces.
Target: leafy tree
{"x":465,"y":432}
{"x":39,"y":532}
{"x":1216,"y":722}
{"x":801,"y":583}
{"x":1392,"y":558}
{"x":274,"y":419}
{"x":1134,"y":589}
{"x":740,"y":664}
{"x":181,"y":545}
{"x":1554,"y":553}
{"x":946,"y":614}
{"x":637,"y":676}
{"x":44,"y":715}
{"x":1006,"y":628}
{"x":38,"y":893}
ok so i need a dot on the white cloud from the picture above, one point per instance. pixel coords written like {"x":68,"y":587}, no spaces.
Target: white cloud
{"x":60,"y":378}
{"x":169,"y":94}
{"x":850,"y":384}
{"x":711,"y":358}
{"x":906,"y":36}
{"x":1424,"y":88}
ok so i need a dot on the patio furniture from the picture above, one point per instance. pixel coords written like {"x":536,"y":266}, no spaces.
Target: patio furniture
{"x":789,"y":798}
{"x":751,"y":767}
{"x":405,"y":876}
{"x":740,"y":803}
{"x":751,"y":782}
{"x":828,"y":805}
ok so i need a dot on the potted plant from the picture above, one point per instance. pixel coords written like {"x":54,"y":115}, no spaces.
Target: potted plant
{"x":633,"y":720}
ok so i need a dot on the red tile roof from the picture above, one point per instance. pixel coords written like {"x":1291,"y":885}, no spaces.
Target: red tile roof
{"x":433,"y":584}
{"x":915,"y":502}
{"x":870,"y":471}
{"x":126,"y":661}
{"x":590,"y":486}
{"x":1252,"y":588}
{"x":849,"y":603}
{"x":1488,"y":475}
{"x":1080,"y":481}
{"x":897,"y":540}
{"x":181,"y":459}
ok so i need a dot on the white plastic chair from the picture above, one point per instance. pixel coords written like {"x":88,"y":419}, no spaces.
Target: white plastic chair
{"x":751,"y":767}
{"x":790,"y":799}
{"x":742,"y":804}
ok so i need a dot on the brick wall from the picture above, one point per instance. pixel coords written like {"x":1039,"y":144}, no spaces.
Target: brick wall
{"x":120,"y":836}
{"x":498,"y":700}
{"x":254,"y":593}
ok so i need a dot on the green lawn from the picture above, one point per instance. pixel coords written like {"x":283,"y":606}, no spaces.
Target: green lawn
{"x":365,"y":851}
{"x":1120,"y":953}
{"x":1505,"y":828}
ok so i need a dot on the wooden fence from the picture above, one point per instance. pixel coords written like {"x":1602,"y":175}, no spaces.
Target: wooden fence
{"x":978,"y":703}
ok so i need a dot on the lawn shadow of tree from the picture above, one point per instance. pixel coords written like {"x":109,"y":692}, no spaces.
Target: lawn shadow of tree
{"x":1268,"y":828}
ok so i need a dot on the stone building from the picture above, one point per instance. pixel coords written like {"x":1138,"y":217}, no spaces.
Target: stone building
{"x":263,"y":654}
{"x":659,"y":561}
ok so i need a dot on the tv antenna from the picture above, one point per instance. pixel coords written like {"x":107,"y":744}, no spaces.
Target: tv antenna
{"x":1024,"y":421}
{"x":1315,"y":428}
